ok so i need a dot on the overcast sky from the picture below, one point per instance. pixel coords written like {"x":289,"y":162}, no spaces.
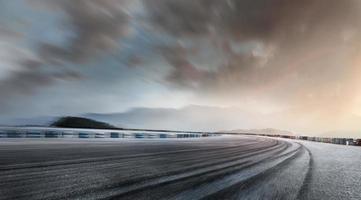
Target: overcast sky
{"x":295,"y":62}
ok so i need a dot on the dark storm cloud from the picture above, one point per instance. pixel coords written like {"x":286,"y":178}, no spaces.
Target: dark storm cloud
{"x":184,"y":73}
{"x":245,"y":19}
{"x":25,"y":80}
{"x":29,"y":79}
{"x":283,"y":28}
{"x":96,"y":26}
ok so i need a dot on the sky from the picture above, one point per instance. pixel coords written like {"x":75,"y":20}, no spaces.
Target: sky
{"x":295,"y":64}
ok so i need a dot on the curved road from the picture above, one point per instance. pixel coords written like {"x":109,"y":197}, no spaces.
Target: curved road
{"x":226,"y":167}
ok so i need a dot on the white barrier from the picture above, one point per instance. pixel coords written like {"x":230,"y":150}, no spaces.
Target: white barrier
{"x":48,"y":132}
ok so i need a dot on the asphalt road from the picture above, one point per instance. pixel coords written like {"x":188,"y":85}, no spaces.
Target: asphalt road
{"x":226,"y":167}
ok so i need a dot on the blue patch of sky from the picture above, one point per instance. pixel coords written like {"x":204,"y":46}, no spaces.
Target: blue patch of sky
{"x":141,"y":43}
{"x":35,"y":24}
{"x":144,"y":43}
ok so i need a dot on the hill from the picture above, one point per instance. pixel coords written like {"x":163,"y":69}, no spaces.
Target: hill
{"x":80,"y":122}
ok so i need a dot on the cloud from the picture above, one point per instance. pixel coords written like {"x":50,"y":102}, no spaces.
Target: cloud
{"x":23,"y":72}
{"x":184,"y":74}
{"x":28,"y":80}
{"x":276,"y":48}
{"x":96,"y":26}
{"x":247,"y":19}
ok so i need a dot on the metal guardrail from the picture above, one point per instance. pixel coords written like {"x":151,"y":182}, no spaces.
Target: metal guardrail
{"x":331,"y":140}
{"x":91,"y":133}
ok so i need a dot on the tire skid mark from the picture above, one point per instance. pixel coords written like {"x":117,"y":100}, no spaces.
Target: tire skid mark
{"x":214,"y":174}
{"x":110,"y":158}
{"x":269,"y":159}
{"x":147,"y":184}
{"x":70,"y":187}
{"x":304,"y":191}
{"x":90,"y":160}
{"x":110,"y":165}
{"x":223,"y":194}
{"x":225,"y":158}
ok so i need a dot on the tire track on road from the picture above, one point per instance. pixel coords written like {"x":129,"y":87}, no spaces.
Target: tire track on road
{"x":209,"y":176}
{"x":240,"y":187}
{"x":305,"y":189}
{"x":147,"y":178}
{"x":172,"y":174}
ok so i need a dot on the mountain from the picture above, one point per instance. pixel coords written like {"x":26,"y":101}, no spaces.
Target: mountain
{"x":79,"y":122}
{"x":271,"y":131}
{"x":193,"y":118}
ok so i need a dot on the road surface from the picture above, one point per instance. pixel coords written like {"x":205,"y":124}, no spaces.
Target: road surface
{"x":225,"y":167}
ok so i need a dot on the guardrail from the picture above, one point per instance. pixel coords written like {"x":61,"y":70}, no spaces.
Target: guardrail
{"x":331,"y":140}
{"x":92,"y":133}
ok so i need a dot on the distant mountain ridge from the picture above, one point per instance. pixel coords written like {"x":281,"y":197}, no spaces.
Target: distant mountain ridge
{"x":195,"y":118}
{"x":271,"y":131}
{"x":192,"y":118}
